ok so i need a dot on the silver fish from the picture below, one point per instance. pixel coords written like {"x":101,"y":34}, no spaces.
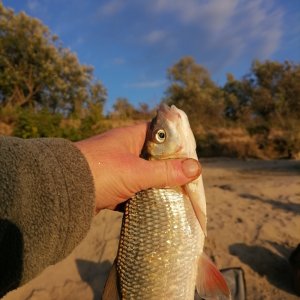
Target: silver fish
{"x":160,"y":253}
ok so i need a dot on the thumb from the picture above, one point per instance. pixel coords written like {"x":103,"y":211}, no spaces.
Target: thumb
{"x":171,"y":172}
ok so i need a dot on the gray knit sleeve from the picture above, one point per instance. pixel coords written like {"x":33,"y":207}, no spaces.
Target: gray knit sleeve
{"x":46,"y":205}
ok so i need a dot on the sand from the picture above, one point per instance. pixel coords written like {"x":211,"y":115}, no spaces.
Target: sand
{"x":254,"y":223}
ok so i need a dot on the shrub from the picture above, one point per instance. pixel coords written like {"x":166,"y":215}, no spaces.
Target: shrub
{"x":37,"y":124}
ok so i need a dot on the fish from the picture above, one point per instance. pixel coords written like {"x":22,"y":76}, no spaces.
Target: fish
{"x":160,"y":254}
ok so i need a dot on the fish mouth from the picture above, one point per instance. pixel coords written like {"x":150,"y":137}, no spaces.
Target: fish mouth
{"x":170,"y":113}
{"x":170,"y":156}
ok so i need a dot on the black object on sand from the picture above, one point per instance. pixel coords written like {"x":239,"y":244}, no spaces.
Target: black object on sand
{"x":294,"y":261}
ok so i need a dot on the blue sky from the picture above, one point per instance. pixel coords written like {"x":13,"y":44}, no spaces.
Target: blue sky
{"x":132,"y":43}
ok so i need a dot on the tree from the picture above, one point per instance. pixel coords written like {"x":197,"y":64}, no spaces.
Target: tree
{"x":144,"y":112}
{"x":123,"y":109}
{"x":37,"y":72}
{"x":276,"y":90}
{"x":267,"y":103}
{"x":192,"y":90}
{"x":269,"y":94}
{"x":238,"y":98}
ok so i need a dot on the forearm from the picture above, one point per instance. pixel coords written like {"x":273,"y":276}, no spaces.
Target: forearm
{"x":47,"y":196}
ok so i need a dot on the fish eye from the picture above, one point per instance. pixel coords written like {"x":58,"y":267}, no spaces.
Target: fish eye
{"x":160,"y":136}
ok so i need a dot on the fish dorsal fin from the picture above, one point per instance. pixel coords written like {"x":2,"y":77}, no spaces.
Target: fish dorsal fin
{"x":210,"y":283}
{"x":196,"y":194}
{"x":111,"y":287}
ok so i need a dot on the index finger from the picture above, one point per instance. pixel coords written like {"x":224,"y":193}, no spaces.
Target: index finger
{"x":127,"y":139}
{"x":136,"y":137}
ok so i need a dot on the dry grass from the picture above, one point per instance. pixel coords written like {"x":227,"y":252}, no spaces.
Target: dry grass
{"x":5,"y":129}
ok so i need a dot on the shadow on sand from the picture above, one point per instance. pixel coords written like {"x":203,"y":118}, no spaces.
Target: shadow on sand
{"x":288,"y":206}
{"x":267,"y":263}
{"x":254,"y":166}
{"x":94,"y":274}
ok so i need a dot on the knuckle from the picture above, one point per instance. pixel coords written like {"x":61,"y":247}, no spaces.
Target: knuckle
{"x":170,"y":174}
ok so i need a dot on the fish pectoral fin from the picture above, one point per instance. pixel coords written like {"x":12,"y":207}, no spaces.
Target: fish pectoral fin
{"x":111,"y":286}
{"x":210,"y":282}
{"x":201,"y":217}
{"x":196,"y":194}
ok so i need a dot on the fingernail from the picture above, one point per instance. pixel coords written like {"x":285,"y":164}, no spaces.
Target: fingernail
{"x":191,"y":168}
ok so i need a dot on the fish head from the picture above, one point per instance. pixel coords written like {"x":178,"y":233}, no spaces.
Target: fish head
{"x":169,"y":135}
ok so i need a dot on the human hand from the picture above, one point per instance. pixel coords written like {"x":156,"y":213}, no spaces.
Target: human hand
{"x":119,"y":172}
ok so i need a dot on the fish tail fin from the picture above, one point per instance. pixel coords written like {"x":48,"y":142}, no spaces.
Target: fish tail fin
{"x":210,"y":283}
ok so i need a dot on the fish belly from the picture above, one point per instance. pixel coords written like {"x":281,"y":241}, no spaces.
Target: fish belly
{"x":160,"y":244}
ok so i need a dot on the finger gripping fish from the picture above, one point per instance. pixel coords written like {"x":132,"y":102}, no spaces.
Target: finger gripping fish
{"x":160,"y":253}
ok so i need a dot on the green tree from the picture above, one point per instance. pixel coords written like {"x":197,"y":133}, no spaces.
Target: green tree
{"x":276,"y":90}
{"x":270,"y":93}
{"x":37,"y":72}
{"x":123,"y":109}
{"x":238,"y":98}
{"x":192,"y":90}
{"x":267,"y":103}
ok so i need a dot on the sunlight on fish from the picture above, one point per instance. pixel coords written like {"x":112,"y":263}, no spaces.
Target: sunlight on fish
{"x":160,"y":253}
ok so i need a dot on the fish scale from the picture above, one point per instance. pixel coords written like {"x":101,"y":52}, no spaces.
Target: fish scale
{"x":159,"y":246}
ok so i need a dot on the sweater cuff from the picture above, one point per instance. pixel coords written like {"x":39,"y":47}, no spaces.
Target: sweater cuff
{"x":72,"y":174}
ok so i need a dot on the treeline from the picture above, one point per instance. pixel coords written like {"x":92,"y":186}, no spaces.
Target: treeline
{"x":257,"y":116}
{"x":46,"y":92}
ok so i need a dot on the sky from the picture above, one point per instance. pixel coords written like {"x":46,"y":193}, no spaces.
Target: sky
{"x":132,"y":43}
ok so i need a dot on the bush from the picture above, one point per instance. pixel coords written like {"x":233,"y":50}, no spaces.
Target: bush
{"x":9,"y":114}
{"x":31,"y":124}
{"x":37,"y":124}
{"x":286,"y":145}
{"x":227,"y":142}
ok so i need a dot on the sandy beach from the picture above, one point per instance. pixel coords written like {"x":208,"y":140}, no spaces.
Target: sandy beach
{"x":253,"y":223}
